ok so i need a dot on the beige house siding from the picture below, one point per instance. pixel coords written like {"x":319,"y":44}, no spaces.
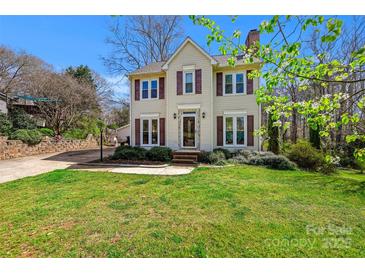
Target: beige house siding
{"x":190,"y":56}
{"x":240,"y":102}
{"x":150,"y":106}
{"x":3,"y":108}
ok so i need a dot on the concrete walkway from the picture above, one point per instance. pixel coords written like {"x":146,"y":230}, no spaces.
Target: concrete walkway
{"x":169,"y":170}
{"x":33,"y":165}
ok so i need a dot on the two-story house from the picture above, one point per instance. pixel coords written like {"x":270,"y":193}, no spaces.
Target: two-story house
{"x":195,"y":101}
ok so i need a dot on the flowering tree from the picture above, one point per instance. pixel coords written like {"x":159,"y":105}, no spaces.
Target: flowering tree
{"x":332,"y":90}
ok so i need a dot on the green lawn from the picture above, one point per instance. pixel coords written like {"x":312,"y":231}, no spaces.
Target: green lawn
{"x":213,"y":212}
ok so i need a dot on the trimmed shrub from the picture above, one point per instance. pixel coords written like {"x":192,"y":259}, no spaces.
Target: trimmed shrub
{"x":28,"y":136}
{"x":217,"y":158}
{"x":162,"y":154}
{"x":305,"y":156}
{"x":5,"y":125}
{"x":226,"y":152}
{"x":275,"y":162}
{"x":129,"y":153}
{"x":203,"y":157}
{"x":267,"y":159}
{"x":21,"y":120}
{"x":238,"y":160}
{"x":47,"y":132}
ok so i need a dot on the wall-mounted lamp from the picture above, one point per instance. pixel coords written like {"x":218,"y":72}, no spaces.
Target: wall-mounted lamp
{"x":203,"y":115}
{"x":174,"y":115}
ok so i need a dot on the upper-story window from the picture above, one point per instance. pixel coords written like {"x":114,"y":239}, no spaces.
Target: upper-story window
{"x":234,"y":83}
{"x":189,"y":82}
{"x":149,"y":89}
{"x":154,"y":89}
{"x":144,"y":89}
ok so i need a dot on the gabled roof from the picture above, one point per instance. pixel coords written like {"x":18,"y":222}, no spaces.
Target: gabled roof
{"x":157,"y":67}
{"x":189,"y":40}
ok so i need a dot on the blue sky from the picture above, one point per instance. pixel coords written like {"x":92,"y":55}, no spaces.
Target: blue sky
{"x":73,"y":40}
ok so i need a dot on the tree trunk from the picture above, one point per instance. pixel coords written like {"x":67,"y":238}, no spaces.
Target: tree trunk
{"x":294,"y":127}
{"x":273,"y":133}
{"x":314,"y":137}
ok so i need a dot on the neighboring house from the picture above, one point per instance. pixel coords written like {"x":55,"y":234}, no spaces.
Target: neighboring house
{"x":121,"y":135}
{"x":28,"y":104}
{"x":195,"y":101}
{"x":3,"y":104}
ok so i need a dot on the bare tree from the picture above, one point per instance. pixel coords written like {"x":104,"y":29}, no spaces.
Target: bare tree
{"x":141,"y":40}
{"x":66,"y":100}
{"x":15,"y":68}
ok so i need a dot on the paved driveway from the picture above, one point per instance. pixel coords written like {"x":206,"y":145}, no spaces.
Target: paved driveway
{"x":33,"y":165}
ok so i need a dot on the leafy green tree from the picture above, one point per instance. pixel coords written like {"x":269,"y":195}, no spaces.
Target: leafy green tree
{"x":82,"y":73}
{"x":273,"y":134}
{"x":286,"y":62}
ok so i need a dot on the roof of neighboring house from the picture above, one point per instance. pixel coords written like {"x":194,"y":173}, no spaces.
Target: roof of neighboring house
{"x":122,"y":127}
{"x":157,"y":67}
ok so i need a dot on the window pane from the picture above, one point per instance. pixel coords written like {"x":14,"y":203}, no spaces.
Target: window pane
{"x":228,"y":84}
{"x":188,"y":82}
{"x":239,"y":88}
{"x":154,"y":132}
{"x":228,"y":88}
{"x":239,"y":78}
{"x":229,"y":78}
{"x":188,"y":77}
{"x":188,"y":88}
{"x":154,"y":89}
{"x":239,"y":83}
{"x":240,"y":130}
{"x":145,"y":132}
{"x":145,"y":89}
{"x":229,"y":130}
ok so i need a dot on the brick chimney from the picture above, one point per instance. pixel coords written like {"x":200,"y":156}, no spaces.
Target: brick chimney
{"x":252,"y":36}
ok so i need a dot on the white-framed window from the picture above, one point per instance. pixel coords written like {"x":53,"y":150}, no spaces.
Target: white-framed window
{"x":234,"y":83}
{"x":189,"y":82}
{"x":235,"y":130}
{"x":149,"y":89}
{"x":150,"y":131}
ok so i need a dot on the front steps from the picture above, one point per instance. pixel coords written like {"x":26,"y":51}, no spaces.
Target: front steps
{"x":185,"y":157}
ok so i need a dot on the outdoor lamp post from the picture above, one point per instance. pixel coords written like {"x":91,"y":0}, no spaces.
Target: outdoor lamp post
{"x":101,"y":127}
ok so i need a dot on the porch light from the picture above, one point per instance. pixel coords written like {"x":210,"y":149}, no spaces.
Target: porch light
{"x":174,"y":115}
{"x":203,"y":115}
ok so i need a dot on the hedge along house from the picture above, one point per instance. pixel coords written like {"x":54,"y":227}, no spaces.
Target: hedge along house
{"x":195,"y":101}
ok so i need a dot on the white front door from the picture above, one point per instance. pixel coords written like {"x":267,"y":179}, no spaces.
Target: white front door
{"x":188,"y":130}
